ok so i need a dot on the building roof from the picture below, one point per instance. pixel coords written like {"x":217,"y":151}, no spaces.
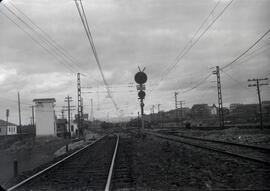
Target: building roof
{"x":4,"y":123}
{"x":44,"y":100}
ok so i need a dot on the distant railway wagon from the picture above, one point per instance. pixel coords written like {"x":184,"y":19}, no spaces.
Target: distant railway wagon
{"x":7,"y":128}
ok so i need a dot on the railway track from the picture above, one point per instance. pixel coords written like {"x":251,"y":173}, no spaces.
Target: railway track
{"x":90,"y":168}
{"x":247,"y":152}
{"x":122,"y":177}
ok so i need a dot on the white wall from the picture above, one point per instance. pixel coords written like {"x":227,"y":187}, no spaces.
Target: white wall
{"x":45,"y":118}
{"x":11,"y":130}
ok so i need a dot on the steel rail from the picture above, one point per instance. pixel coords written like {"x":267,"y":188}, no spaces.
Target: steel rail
{"x":52,"y":166}
{"x":225,"y":142}
{"x":108,"y":184}
{"x":210,"y":148}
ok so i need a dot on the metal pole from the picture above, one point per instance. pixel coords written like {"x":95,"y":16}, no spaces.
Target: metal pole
{"x":142,"y":113}
{"x":220,"y":104}
{"x":181,"y":103}
{"x":79,"y":118}
{"x":158,"y":114}
{"x":68,"y":101}
{"x":7,"y":115}
{"x":258,"y":84}
{"x":260,"y":103}
{"x":19,"y":108}
{"x":92,"y":112}
{"x":176,"y":106}
{"x":138,"y":120}
{"x":62,"y":111}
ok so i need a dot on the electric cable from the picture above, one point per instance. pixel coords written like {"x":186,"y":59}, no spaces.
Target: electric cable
{"x":81,"y":11}
{"x":241,"y":55}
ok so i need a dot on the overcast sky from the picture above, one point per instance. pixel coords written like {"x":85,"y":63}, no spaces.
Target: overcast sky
{"x":128,"y":34}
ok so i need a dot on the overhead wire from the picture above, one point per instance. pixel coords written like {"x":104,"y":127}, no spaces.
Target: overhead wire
{"x":198,"y":84}
{"x":82,"y":14}
{"x":31,"y":37}
{"x":38,"y":42}
{"x":186,"y":49}
{"x":235,"y":80}
{"x":55,"y":44}
{"x":42,"y":37}
{"x":199,"y":28}
{"x":242,"y":54}
{"x":254,"y":53}
{"x":185,"y":52}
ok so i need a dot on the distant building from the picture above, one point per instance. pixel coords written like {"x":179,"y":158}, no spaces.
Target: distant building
{"x":85,"y":116}
{"x":246,"y":108}
{"x":226,"y":111}
{"x":234,"y":106}
{"x":45,"y":116}
{"x":213,"y":109}
{"x":7,"y":128}
{"x":185,"y":111}
{"x":266,"y":110}
{"x":244,"y":113}
{"x":200,"y":110}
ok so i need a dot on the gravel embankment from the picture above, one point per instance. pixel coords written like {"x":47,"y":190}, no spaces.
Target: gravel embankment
{"x":246,"y":136}
{"x":162,"y":165}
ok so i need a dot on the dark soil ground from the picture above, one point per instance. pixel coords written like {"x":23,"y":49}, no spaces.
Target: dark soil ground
{"x":157,"y":164}
{"x":162,"y":165}
{"x":29,"y":154}
{"x":259,"y":137}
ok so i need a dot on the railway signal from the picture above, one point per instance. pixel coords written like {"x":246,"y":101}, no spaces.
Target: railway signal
{"x":141,"y":78}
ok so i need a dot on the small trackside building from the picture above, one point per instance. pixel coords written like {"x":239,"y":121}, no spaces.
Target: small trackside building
{"x":7,"y":128}
{"x":45,"y":116}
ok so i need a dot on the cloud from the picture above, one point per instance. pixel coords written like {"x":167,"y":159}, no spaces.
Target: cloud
{"x":128,"y":34}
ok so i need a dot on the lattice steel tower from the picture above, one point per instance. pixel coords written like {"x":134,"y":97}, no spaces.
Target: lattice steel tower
{"x":79,"y":117}
{"x":220,"y":104}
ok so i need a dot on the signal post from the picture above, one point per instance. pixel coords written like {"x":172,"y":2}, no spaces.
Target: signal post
{"x":141,"y":78}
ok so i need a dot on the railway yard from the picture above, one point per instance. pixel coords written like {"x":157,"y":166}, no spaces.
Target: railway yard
{"x":114,"y":95}
{"x":164,"y":160}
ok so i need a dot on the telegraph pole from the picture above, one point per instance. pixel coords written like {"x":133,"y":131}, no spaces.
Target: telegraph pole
{"x":175,"y":99}
{"x":19,"y":108}
{"x":7,"y":115}
{"x":138,"y":120}
{"x":159,"y":115}
{"x":68,"y":99}
{"x":220,"y":104}
{"x":258,"y":84}
{"x":92,"y":111}
{"x":176,"y":106}
{"x":181,"y":111}
{"x":33,"y":115}
{"x":153,"y":113}
{"x":62,"y":111}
